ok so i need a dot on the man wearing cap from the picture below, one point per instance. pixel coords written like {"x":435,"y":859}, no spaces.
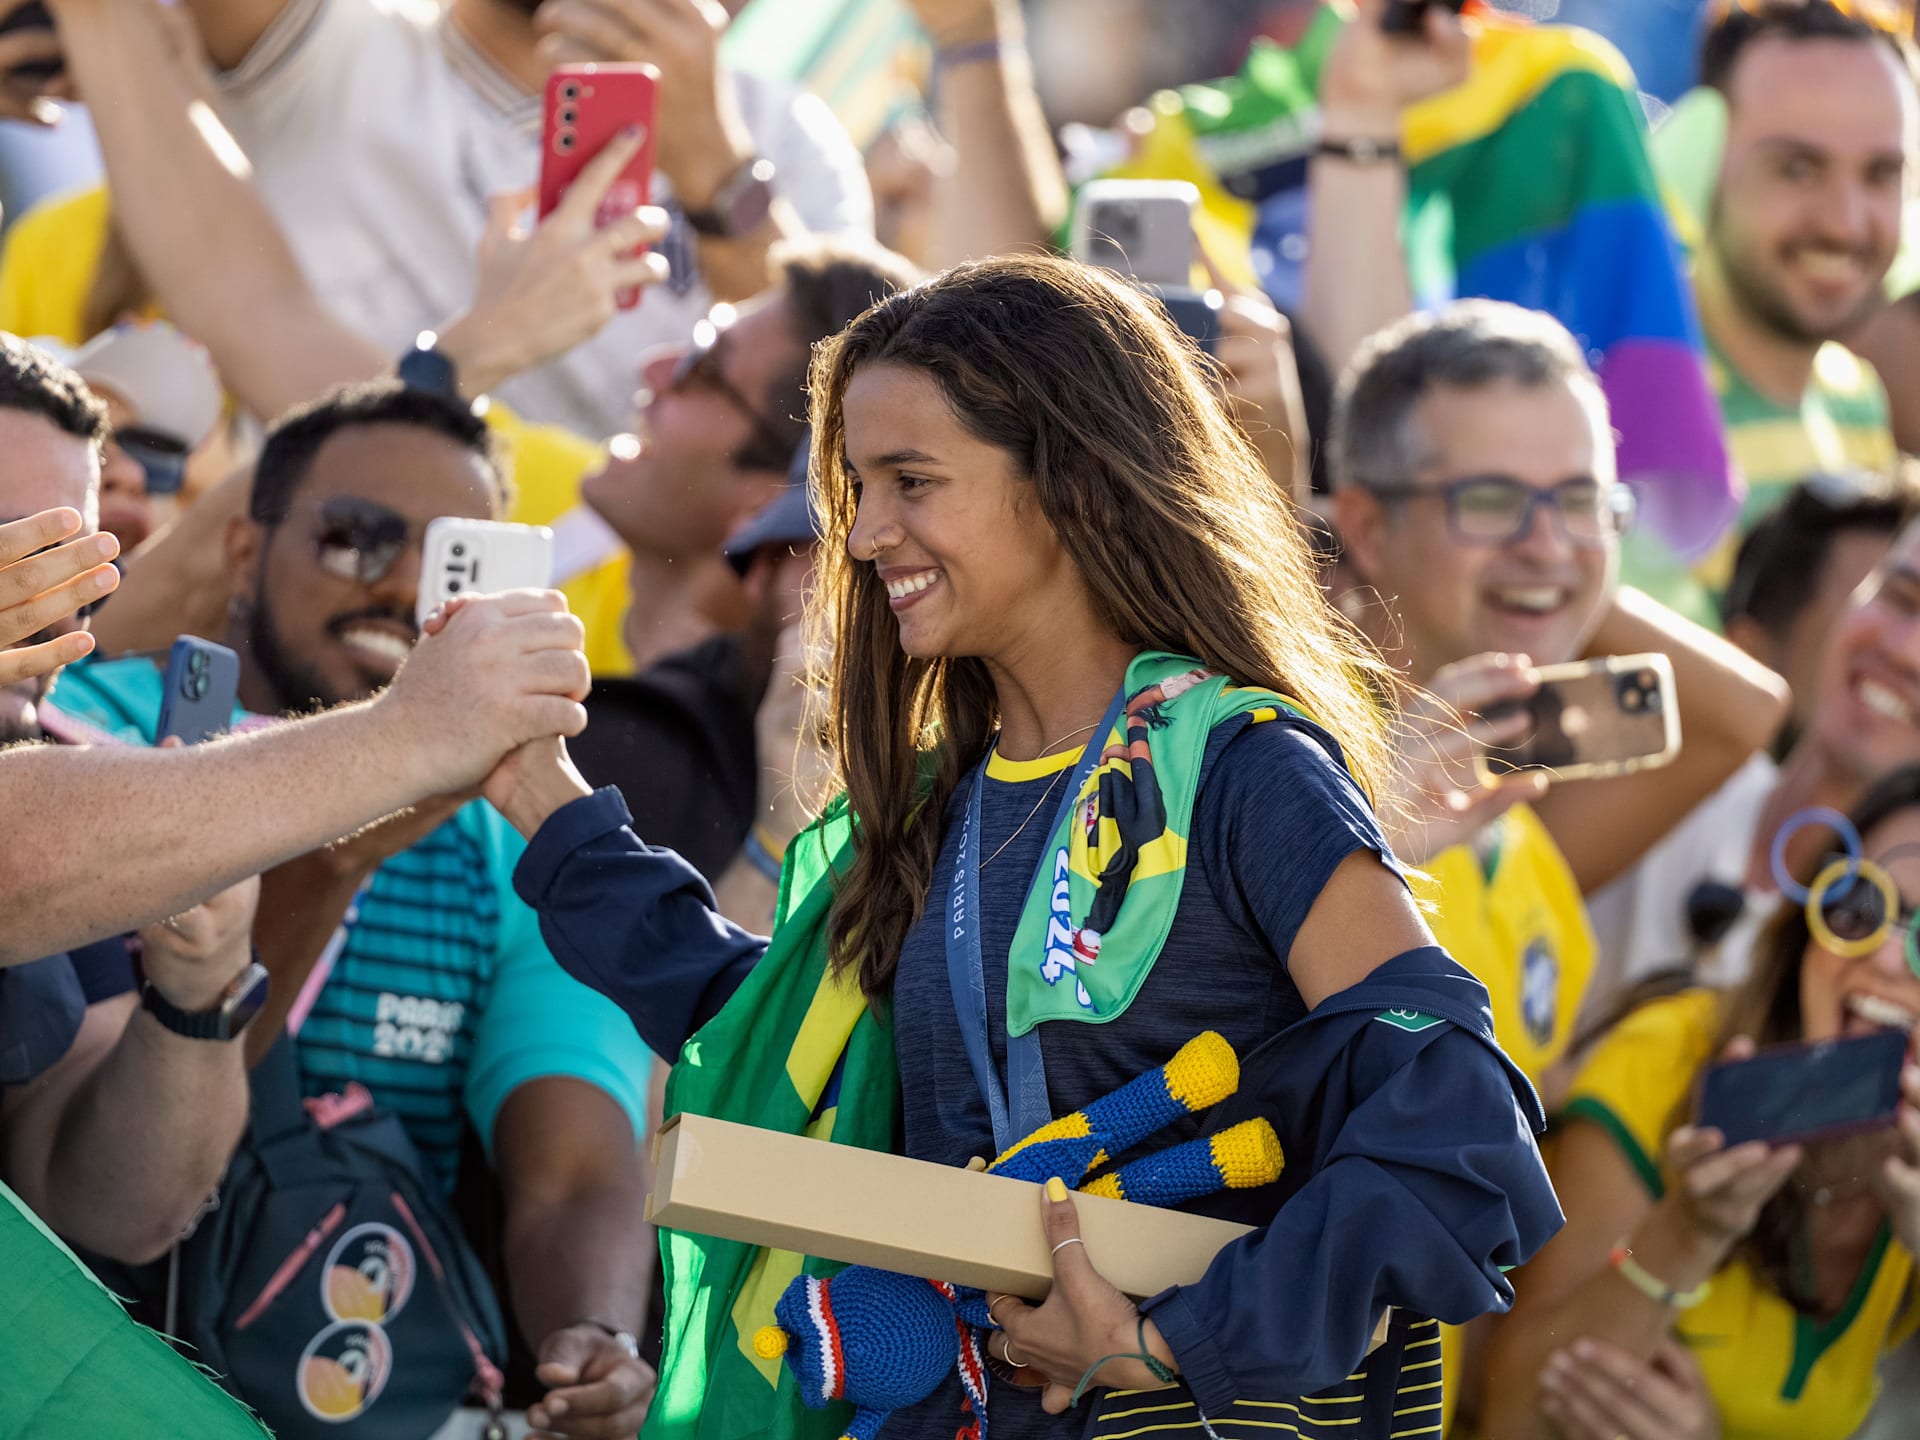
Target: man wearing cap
{"x":163,"y":400}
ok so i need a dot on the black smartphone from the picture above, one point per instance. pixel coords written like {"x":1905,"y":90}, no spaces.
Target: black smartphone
{"x":1409,"y":17}
{"x":1788,"y":1094}
{"x":201,"y":684}
{"x":31,"y":16}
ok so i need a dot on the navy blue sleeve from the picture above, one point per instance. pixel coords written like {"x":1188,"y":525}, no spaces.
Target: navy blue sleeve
{"x":1277,"y":813}
{"x":633,"y":922}
{"x":1424,"y":1186}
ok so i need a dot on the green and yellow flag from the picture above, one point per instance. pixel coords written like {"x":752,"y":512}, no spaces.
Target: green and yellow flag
{"x":1079,"y":953}
{"x":773,"y":1057}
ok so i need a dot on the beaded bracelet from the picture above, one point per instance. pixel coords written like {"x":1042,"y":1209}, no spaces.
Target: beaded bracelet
{"x":1158,"y":1367}
{"x":955,"y":56}
{"x":1651,"y":1286}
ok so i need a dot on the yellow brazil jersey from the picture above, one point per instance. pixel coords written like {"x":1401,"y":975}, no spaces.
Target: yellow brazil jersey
{"x":1517,"y":922}
{"x":46,"y":274}
{"x":1774,"y":1373}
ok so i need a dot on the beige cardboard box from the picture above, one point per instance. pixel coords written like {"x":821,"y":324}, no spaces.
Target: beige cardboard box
{"x":791,"y":1193}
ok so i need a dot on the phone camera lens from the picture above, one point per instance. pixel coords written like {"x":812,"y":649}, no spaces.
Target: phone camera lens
{"x":458,"y":550}
{"x":569,"y":91}
{"x":568,"y":115}
{"x":453,"y":587}
{"x":563,"y":142}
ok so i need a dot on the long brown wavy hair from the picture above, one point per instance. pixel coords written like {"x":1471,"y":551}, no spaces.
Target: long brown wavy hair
{"x":1180,"y":535}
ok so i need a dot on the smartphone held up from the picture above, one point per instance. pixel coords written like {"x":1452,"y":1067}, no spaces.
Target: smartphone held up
{"x":1791,"y":1094}
{"x":481,"y":557}
{"x":1590,"y":719}
{"x":1144,"y":230}
{"x":585,"y":108}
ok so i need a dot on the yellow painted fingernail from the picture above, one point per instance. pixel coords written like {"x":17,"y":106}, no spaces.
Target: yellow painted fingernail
{"x":1056,"y":1190}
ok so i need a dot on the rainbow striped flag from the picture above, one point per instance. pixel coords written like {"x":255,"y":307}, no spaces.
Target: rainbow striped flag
{"x":1529,"y":183}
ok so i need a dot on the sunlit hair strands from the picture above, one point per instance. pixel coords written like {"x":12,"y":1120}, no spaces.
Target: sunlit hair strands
{"x":1183,"y":540}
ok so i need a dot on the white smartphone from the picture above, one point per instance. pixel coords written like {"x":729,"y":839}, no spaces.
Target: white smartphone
{"x":481,"y":557}
{"x":1142,"y":228}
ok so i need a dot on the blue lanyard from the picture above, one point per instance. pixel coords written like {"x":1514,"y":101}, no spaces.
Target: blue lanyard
{"x":1026,"y":1085}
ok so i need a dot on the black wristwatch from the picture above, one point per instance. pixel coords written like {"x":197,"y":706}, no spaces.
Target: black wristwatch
{"x":239,"y":1003}
{"x":427,"y":369}
{"x":740,"y":205}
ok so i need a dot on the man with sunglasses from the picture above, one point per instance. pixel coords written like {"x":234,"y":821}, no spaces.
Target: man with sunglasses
{"x":714,"y":429}
{"x":435,"y":991}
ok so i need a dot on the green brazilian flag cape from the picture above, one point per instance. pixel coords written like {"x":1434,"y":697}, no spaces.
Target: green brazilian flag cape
{"x":74,"y":1365}
{"x":1078,"y":952}
{"x":765,"y":1060}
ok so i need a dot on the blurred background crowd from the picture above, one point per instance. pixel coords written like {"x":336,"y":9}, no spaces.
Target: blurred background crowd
{"x":1567,"y":342}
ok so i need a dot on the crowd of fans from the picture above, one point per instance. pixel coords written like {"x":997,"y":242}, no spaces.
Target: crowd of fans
{"x":213,"y":422}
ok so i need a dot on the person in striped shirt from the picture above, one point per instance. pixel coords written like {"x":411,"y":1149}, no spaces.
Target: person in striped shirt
{"x":402,"y":956}
{"x":1805,"y":221}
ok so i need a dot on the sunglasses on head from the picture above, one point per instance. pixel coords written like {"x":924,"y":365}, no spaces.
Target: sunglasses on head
{"x":360,"y":540}
{"x":163,"y":457}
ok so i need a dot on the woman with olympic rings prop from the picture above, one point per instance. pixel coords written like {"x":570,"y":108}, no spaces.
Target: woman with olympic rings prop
{"x":1746,"y":1292}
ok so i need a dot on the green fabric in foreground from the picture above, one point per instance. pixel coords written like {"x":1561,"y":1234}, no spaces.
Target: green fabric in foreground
{"x":76,"y":1366}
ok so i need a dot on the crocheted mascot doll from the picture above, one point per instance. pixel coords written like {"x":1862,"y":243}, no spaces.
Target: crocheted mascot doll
{"x":882,"y":1341}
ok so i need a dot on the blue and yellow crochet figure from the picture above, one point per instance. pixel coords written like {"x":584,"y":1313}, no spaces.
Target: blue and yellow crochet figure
{"x":882,"y":1341}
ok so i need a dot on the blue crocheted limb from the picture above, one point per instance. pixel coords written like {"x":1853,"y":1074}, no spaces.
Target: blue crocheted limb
{"x":870,"y":1336}
{"x":1239,"y":1158}
{"x":866,"y":1423}
{"x":1203,"y":1072}
{"x":972,"y":1307}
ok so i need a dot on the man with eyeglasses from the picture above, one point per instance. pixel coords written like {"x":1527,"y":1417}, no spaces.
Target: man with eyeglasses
{"x":412,"y":966}
{"x":1476,"y":496}
{"x":1477,"y":500}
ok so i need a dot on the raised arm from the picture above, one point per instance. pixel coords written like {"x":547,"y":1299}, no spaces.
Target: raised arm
{"x":1006,"y":192}
{"x":199,"y":231}
{"x":1730,"y":707}
{"x":508,"y":670}
{"x":1356,"y":274}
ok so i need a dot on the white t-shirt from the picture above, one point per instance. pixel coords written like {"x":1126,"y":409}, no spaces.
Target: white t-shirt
{"x":377,"y":132}
{"x":1640,"y":920}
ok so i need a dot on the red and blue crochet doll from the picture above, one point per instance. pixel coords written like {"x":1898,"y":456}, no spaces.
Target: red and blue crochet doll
{"x":881,"y":1341}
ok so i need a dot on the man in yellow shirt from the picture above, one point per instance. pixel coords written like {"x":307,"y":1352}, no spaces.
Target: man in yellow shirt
{"x":1476,"y":496}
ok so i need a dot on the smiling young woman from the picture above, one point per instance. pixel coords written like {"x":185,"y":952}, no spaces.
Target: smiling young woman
{"x":1106,"y":752}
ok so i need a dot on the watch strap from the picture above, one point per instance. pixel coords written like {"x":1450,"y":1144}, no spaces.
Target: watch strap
{"x":215,"y":1023}
{"x":739,"y":205}
{"x":1360,"y":149}
{"x":426,"y":368}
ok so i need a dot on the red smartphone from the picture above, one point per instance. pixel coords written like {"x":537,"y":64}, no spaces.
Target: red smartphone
{"x":1787,"y":1094}
{"x":586,"y":107}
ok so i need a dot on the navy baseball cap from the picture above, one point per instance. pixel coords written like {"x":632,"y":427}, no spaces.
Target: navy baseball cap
{"x":787,"y":519}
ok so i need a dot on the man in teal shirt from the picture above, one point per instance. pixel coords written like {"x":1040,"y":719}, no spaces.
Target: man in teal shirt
{"x":402,"y":955}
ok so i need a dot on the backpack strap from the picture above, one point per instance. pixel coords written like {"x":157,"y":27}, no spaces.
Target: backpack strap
{"x":275,"y":1084}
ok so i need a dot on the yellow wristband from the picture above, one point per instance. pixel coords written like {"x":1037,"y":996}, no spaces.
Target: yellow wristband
{"x":1651,"y":1286}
